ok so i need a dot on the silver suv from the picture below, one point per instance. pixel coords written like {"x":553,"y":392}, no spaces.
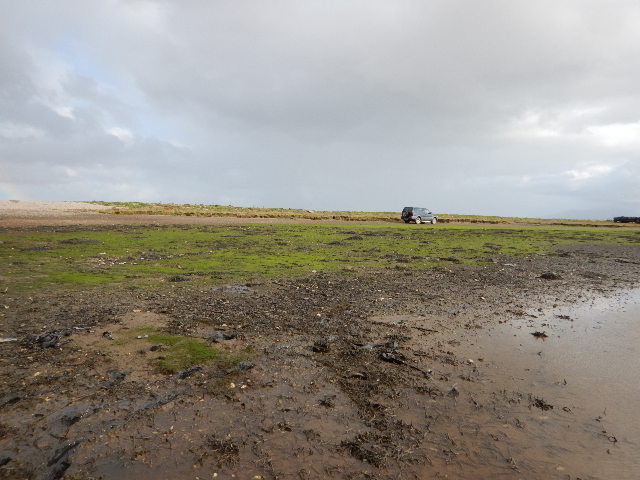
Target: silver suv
{"x":418,"y":215}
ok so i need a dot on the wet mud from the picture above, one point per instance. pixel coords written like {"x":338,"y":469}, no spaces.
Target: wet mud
{"x":572,"y":395}
{"x":378,"y":375}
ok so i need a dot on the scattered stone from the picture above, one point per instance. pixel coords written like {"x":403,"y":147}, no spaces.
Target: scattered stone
{"x":115,"y":377}
{"x":5,"y":458}
{"x":550,"y":276}
{"x":189,"y":371}
{"x":9,"y":398}
{"x":62,"y":452}
{"x":393,"y":357}
{"x":328,"y":401}
{"x":321,"y":346}
{"x":162,"y":401}
{"x":390,"y":346}
{"x":59,"y":461}
{"x":242,"y":366}
{"x":539,"y":403}
{"x":453,"y":393}
{"x":540,"y":334}
{"x":49,"y":339}
{"x":74,"y":413}
{"x":236,"y":289}
{"x":179,"y":278}
{"x":450,"y":259}
{"x":219,"y":336}
{"x":58,"y":470}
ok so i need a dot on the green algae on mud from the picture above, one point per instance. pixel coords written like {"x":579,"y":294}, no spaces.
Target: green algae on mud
{"x":180,"y":352}
{"x":79,"y":257}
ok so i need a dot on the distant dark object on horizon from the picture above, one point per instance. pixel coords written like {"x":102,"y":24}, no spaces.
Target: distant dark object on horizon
{"x":626,"y":219}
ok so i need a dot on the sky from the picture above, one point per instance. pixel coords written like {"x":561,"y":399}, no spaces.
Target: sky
{"x":510,"y":107}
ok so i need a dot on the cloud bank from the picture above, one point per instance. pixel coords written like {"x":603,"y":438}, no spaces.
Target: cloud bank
{"x":507,"y":108}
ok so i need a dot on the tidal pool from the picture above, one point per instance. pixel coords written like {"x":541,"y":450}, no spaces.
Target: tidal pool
{"x":573,"y":395}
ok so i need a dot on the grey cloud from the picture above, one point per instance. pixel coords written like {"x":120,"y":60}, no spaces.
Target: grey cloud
{"x":324,"y":105}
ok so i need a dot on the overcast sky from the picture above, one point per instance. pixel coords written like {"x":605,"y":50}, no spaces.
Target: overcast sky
{"x":523,"y":108}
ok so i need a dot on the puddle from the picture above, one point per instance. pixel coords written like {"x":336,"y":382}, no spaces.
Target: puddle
{"x":588,"y":369}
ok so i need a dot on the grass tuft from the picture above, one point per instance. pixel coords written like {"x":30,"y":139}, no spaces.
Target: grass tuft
{"x":186,"y":352}
{"x":181,"y":352}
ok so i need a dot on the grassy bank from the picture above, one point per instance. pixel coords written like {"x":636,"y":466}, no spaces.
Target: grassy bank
{"x":199,"y":210}
{"x":143,"y":256}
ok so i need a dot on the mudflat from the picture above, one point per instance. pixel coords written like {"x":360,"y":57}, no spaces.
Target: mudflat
{"x":493,"y":366}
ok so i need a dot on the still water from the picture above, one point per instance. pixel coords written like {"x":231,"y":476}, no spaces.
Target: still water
{"x":588,"y":370}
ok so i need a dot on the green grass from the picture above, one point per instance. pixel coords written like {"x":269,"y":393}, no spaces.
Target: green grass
{"x":144,"y":256}
{"x":187,"y":353}
{"x":181,"y":352}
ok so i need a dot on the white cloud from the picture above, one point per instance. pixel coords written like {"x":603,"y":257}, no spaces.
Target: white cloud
{"x":577,"y":177}
{"x":122,"y":134}
{"x":616,"y":134}
{"x":564,"y":122}
{"x":578,"y":126}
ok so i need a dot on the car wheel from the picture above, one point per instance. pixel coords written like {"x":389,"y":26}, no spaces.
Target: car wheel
{"x":434,"y":220}
{"x":418,"y":220}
